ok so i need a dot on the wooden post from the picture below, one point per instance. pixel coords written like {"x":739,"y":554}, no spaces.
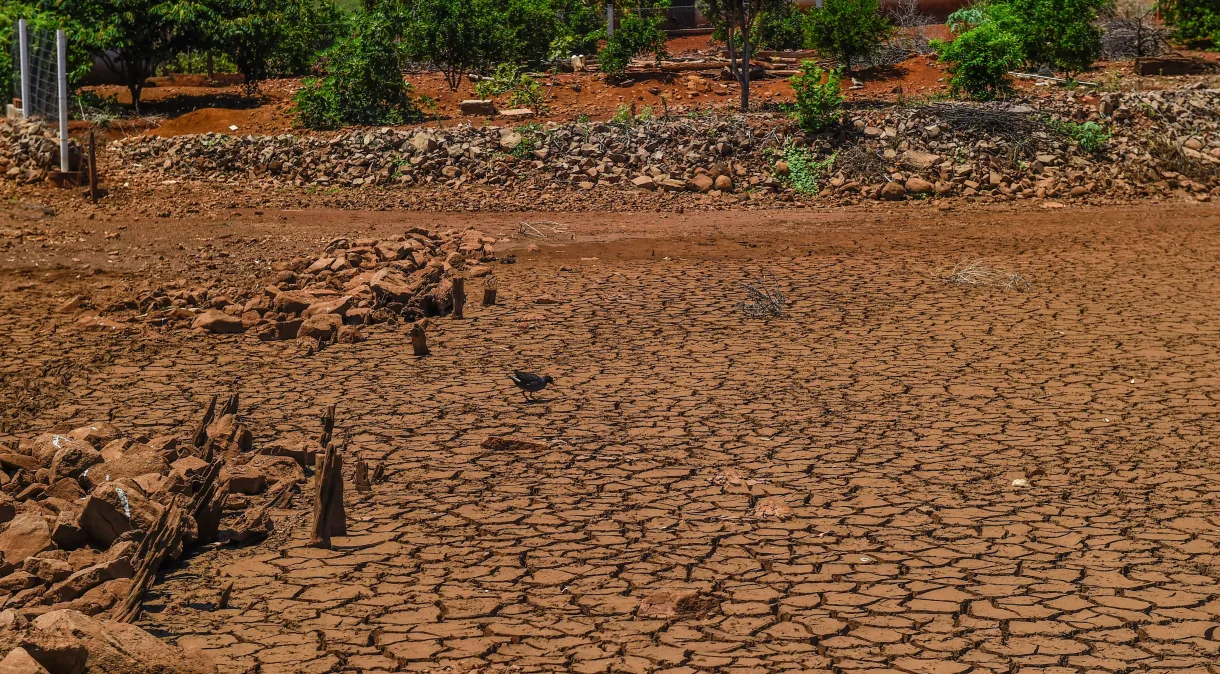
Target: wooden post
{"x":458,"y":294}
{"x":489,"y":291}
{"x":419,"y":339}
{"x":329,"y":518}
{"x":92,"y":168}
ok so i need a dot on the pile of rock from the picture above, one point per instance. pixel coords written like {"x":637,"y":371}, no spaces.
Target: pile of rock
{"x":918,"y":149}
{"x":325,"y":299}
{"x":64,"y":641}
{"x":669,"y":153}
{"x":87,"y":515}
{"x":28,"y":150}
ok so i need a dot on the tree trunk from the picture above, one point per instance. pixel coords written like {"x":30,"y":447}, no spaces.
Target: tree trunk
{"x":457,"y":293}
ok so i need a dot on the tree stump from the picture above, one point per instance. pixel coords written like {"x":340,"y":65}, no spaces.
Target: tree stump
{"x":200,"y":436}
{"x":457,"y":293}
{"x":490,"y":286}
{"x":329,"y":518}
{"x":419,"y":339}
{"x":328,"y":426}
{"x":361,"y":478}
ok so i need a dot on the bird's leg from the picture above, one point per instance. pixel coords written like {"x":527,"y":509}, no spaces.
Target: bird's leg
{"x":526,"y":396}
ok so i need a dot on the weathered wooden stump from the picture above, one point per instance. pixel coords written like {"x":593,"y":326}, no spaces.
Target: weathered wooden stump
{"x":457,"y":293}
{"x":490,"y":286}
{"x":419,"y":338}
{"x":329,"y":518}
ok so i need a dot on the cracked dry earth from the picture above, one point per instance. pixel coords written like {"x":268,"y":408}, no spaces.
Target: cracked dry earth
{"x":889,"y":412}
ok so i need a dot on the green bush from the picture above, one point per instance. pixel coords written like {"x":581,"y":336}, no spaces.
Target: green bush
{"x":635,"y":34}
{"x":528,"y":93}
{"x":1195,"y":22}
{"x":847,"y":29}
{"x":502,"y":81}
{"x":818,"y":103}
{"x":364,"y":84}
{"x":1090,"y":137}
{"x":805,"y":172}
{"x":979,"y":61}
{"x":532,"y":25}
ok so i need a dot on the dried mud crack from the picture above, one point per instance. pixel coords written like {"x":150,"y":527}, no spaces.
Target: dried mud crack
{"x":900,"y":474}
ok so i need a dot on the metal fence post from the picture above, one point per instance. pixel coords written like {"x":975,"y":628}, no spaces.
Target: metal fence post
{"x":61,"y":42}
{"x":24,"y":39}
{"x":609,"y":20}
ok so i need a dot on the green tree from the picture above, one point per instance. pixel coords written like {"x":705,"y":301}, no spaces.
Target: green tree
{"x":1063,"y":34}
{"x":847,"y":29}
{"x":457,"y":36}
{"x":737,"y":21}
{"x":250,"y":33}
{"x":310,"y":28}
{"x":1196,"y":22}
{"x":640,"y":31}
{"x":132,"y":36}
{"x":364,"y":83}
{"x":780,"y":26}
{"x":580,"y":28}
{"x":979,"y":61}
{"x":533,"y":26}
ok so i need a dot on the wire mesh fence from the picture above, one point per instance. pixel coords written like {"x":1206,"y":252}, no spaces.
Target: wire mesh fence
{"x":43,"y":85}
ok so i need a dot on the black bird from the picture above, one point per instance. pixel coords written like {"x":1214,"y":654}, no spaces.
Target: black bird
{"x":529,"y":383}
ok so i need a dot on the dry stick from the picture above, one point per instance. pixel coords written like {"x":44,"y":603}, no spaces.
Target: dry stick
{"x":92,"y":168}
{"x":458,"y":294}
{"x":201,"y":431}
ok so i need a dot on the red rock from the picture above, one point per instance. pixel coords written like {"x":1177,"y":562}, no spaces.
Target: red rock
{"x":86,"y":579}
{"x":98,"y":434}
{"x":724,"y":183}
{"x":13,"y":461}
{"x":8,"y":509}
{"x":244,"y":479}
{"x":26,"y":535}
{"x":394,"y":285}
{"x":919,"y":186}
{"x":321,"y":326}
{"x":66,"y":532}
{"x":277,"y":468}
{"x":772,"y":507}
{"x":893,"y":191}
{"x":138,"y":460}
{"x":123,"y":648}
{"x":101,"y":522}
{"x":700,"y":183}
{"x":19,"y":661}
{"x":66,"y":489}
{"x":674,"y":603}
{"x":47,"y":569}
{"x":44,"y":447}
{"x":280,"y":330}
{"x":293,"y":301}
{"x":217,"y":322}
{"x":334,"y":306}
{"x":73,"y":460}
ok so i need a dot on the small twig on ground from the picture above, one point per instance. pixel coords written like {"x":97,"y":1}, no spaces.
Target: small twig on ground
{"x":975,"y":273}
{"x":762,"y":301}
{"x":545,"y":229}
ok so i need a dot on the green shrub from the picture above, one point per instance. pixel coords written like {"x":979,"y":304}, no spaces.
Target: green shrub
{"x":635,"y":34}
{"x":532,"y":25}
{"x":502,"y":81}
{"x":1195,"y":22}
{"x":1090,"y":137}
{"x":364,"y":84}
{"x":528,"y":93}
{"x":627,"y":116}
{"x":979,"y":61}
{"x":817,"y":102}
{"x":847,"y":29}
{"x":805,"y":171}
